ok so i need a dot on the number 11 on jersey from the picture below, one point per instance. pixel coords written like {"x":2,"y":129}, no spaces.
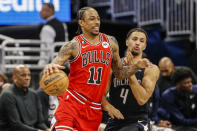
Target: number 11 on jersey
{"x":92,"y":71}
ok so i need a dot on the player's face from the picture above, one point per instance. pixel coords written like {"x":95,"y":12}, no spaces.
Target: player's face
{"x":91,"y":22}
{"x":186,"y":85}
{"x":136,"y":43}
{"x":23,"y":77}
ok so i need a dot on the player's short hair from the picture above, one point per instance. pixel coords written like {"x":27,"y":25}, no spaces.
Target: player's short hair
{"x":80,"y":16}
{"x":137,"y":30}
{"x":180,"y":74}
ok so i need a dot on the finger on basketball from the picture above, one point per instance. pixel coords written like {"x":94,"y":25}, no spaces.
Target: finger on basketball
{"x":46,"y":70}
{"x":61,"y":67}
{"x":55,"y":83}
{"x":57,"y":67}
{"x":50,"y":68}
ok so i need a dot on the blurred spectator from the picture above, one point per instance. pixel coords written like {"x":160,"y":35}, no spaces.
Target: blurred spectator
{"x":180,"y":101}
{"x":49,"y":105}
{"x":3,"y":80}
{"x":20,"y":107}
{"x":51,"y":32}
{"x":167,"y":68}
{"x":157,"y":122}
{"x":5,"y":86}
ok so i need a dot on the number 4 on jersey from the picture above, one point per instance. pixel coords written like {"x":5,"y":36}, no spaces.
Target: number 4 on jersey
{"x":91,"y":80}
{"x":124,"y":94}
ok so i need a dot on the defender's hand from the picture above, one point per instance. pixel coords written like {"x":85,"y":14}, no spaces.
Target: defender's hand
{"x":113,"y":112}
{"x":128,"y":60}
{"x":143,"y":63}
{"x":50,"y":68}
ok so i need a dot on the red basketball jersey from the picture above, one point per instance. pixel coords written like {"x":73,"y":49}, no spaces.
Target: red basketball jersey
{"x":89,"y":71}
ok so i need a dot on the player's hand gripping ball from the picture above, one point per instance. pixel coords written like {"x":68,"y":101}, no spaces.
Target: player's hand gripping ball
{"x":55,"y":83}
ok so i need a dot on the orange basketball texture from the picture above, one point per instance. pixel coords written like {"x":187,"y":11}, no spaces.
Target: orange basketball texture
{"x":54,"y":84}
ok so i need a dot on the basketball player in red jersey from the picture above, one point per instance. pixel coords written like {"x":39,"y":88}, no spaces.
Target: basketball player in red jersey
{"x":91,"y":55}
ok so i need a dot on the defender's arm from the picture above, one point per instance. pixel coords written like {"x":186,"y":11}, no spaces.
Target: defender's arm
{"x":142,"y":92}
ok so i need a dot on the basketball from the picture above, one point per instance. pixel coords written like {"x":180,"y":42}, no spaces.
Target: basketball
{"x":54,"y":84}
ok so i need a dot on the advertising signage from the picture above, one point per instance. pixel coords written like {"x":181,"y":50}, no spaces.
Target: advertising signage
{"x":23,"y":12}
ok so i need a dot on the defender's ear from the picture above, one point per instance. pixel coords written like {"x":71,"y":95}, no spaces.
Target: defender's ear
{"x":144,"y":46}
{"x":127,"y":42}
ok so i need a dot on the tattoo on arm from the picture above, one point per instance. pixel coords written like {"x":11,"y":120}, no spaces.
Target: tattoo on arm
{"x":119,"y":70}
{"x":65,"y":53}
{"x":122,"y":72}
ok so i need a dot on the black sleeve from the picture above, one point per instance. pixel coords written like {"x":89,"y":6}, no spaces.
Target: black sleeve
{"x":9,"y":104}
{"x":44,"y":99}
{"x":41,"y":123}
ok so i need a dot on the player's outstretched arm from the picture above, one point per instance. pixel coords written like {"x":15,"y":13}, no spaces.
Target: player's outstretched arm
{"x":142,"y":92}
{"x":68,"y":51}
{"x":111,"y":110}
{"x":121,"y":71}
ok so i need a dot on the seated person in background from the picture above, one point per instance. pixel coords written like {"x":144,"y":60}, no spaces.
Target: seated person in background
{"x":20,"y":107}
{"x":49,"y":105}
{"x":3,"y":80}
{"x":180,"y":101}
{"x":167,"y":68}
{"x":157,"y":122}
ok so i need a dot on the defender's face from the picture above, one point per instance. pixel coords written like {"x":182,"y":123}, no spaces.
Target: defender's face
{"x":23,"y":77}
{"x":136,"y":43}
{"x":186,"y":85}
{"x":91,"y":22}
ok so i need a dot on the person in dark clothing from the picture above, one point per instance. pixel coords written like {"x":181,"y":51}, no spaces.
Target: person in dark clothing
{"x":167,"y":68}
{"x":44,"y":98}
{"x":52,"y":31}
{"x":180,"y":101}
{"x":130,"y":96}
{"x":157,"y":122}
{"x":20,"y":107}
{"x":3,"y":80}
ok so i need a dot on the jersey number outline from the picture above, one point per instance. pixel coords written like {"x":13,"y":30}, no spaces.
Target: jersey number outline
{"x":124,"y":94}
{"x":92,"y":74}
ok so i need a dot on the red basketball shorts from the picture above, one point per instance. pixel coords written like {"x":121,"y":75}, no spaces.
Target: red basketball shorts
{"x":75,"y":113}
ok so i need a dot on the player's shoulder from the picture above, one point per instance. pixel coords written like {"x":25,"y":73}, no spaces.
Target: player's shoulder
{"x":153,"y":69}
{"x":73,"y":41}
{"x":114,"y":43}
{"x":112,"y":39}
{"x":72,"y":44}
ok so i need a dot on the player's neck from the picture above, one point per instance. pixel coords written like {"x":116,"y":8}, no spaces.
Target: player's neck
{"x":94,"y":39}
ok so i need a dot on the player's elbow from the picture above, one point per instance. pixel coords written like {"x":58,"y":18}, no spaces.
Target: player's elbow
{"x":142,"y":101}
